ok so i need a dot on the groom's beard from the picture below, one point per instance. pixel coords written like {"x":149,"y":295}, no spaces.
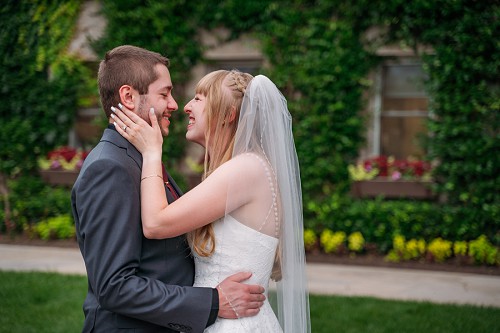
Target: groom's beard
{"x":143,"y":112}
{"x":140,"y":108}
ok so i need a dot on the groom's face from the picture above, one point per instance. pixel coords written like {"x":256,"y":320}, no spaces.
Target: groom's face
{"x":160,"y":98}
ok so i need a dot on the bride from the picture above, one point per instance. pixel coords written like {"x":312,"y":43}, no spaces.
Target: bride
{"x":246,"y":214}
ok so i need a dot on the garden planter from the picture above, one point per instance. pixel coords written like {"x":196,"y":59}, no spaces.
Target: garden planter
{"x":392,"y":189}
{"x":59,"y":177}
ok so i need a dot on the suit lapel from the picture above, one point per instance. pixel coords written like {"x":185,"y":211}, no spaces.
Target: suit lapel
{"x":112,"y":136}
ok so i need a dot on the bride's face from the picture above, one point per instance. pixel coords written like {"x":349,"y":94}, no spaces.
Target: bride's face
{"x":195,"y":110}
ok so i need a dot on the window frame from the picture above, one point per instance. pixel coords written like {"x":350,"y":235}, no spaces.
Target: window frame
{"x":375,"y":138}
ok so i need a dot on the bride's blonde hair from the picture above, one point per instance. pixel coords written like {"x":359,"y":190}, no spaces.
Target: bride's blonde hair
{"x":224,"y":91}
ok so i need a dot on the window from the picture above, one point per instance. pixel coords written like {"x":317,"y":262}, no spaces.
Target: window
{"x":400,"y":110}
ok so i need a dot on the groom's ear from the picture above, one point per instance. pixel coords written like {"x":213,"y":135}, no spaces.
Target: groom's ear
{"x":127,"y":96}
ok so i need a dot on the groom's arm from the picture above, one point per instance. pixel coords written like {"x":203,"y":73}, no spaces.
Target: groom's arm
{"x":109,"y":202}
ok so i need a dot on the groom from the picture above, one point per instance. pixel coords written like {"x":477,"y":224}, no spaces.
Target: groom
{"x":134,"y":282}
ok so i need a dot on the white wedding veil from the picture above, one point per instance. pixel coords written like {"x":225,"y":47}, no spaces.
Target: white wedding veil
{"x":265,"y":128}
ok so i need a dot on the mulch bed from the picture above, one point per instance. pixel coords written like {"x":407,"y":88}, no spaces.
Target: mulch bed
{"x":24,"y":240}
{"x":373,"y":260}
{"x":450,"y":265}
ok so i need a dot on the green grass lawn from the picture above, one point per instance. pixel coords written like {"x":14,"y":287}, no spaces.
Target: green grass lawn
{"x":46,"y":302}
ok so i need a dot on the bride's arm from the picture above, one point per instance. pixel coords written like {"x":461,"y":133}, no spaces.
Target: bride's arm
{"x":202,"y":205}
{"x":198,"y":207}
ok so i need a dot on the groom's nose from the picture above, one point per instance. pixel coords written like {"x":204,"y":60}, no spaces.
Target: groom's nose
{"x":172,"y":104}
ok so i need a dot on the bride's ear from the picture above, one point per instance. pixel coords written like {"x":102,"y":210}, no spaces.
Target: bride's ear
{"x":232,"y":114}
{"x":127,"y":96}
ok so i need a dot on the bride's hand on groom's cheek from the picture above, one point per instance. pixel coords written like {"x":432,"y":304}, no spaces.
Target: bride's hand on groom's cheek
{"x":146,"y":138}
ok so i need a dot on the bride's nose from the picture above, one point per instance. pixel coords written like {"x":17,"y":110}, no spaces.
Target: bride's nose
{"x":187,"y":107}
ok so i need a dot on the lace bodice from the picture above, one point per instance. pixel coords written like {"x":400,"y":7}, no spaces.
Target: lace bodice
{"x":239,"y":248}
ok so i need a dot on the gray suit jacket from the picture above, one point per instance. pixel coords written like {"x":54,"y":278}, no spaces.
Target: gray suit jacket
{"x":133,"y":282}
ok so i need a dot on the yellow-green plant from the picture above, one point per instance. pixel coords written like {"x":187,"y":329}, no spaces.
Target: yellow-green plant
{"x":356,"y":242}
{"x":398,"y":247}
{"x":309,"y":239}
{"x":60,"y":227}
{"x":398,"y":243}
{"x":393,"y":256}
{"x":440,"y":249}
{"x":331,"y":241}
{"x":483,"y":251}
{"x":359,"y":172}
{"x":414,"y":249}
{"x":460,"y":248}
{"x":406,"y":250}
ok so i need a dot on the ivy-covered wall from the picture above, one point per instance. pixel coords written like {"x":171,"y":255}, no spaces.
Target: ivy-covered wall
{"x":168,"y":28}
{"x":319,"y":63}
{"x":464,"y":85}
{"x":39,"y":84}
{"x":320,"y":59}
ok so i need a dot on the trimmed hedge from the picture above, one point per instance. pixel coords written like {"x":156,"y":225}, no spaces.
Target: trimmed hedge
{"x":379,"y":221}
{"x":33,"y":201}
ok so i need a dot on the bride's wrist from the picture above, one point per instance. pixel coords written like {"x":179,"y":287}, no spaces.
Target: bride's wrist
{"x":151,"y":156}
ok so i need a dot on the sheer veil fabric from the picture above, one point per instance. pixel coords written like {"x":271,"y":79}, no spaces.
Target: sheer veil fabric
{"x":265,"y":130}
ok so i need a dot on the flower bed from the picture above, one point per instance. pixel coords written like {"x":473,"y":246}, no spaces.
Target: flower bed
{"x":62,"y":165}
{"x":478,"y":251}
{"x":391,"y":178}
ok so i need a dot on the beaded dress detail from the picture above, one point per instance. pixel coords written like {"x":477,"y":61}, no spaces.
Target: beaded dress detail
{"x":241,"y":248}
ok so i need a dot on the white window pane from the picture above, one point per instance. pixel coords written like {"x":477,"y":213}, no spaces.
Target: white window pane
{"x":403,"y":80}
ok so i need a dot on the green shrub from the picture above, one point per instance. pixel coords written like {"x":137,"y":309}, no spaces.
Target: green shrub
{"x":59,"y":227}
{"x":483,"y":251}
{"x":356,"y":242}
{"x":310,"y":239}
{"x":460,"y":248}
{"x":414,"y":249}
{"x":440,"y":249}
{"x":332,"y":241}
{"x":381,"y":220}
{"x":32,"y":201}
{"x":406,"y":250}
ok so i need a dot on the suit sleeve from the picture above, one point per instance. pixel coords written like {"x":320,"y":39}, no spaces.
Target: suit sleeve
{"x":109,"y":222}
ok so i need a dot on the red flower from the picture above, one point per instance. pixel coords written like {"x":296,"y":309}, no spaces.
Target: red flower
{"x":388,"y":167}
{"x":65,"y":152}
{"x":66,"y":158}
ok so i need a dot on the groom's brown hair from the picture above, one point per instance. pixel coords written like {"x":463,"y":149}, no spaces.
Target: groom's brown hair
{"x":130,"y":65}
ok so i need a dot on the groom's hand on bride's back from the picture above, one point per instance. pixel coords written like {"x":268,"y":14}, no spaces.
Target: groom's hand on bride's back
{"x":237,"y":299}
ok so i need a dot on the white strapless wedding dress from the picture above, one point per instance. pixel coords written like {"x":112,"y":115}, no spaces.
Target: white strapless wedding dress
{"x":240,"y":248}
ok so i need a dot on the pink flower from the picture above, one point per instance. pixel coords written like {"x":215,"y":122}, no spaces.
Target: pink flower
{"x":55,"y":165}
{"x":396,"y":175}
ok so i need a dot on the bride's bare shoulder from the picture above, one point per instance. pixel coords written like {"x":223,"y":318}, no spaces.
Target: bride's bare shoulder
{"x":248,"y":165}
